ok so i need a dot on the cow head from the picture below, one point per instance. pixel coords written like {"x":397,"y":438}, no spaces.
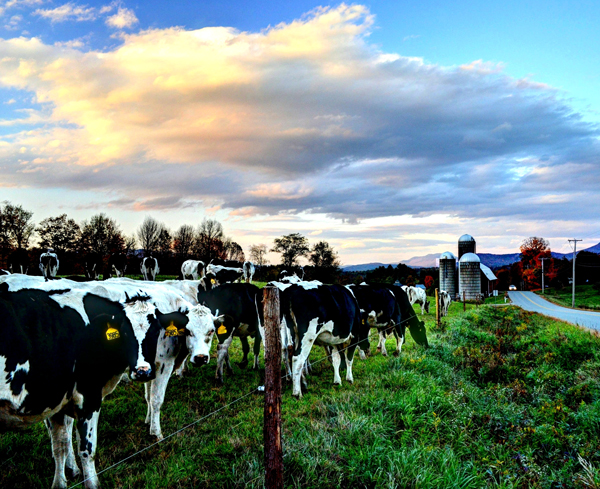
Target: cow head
{"x":426,"y":307}
{"x":208,"y":281}
{"x":198,"y":329}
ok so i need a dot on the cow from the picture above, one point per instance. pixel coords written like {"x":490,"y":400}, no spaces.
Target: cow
{"x":192,"y":268}
{"x":18,"y":261}
{"x":327,"y":315}
{"x":445,"y":301}
{"x":296,"y":271}
{"x":149,"y":268}
{"x":241,"y":304}
{"x":223,"y":275}
{"x":379,"y":309}
{"x":62,"y":351}
{"x":418,"y":296}
{"x":248,"y":271}
{"x":409,"y":317}
{"x":4,"y":272}
{"x":49,"y":264}
{"x":117,"y":265}
{"x":93,"y":265}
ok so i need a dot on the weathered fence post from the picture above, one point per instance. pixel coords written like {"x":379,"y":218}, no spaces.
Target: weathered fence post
{"x":437,"y":308}
{"x":272,"y":415}
{"x":464,"y":301}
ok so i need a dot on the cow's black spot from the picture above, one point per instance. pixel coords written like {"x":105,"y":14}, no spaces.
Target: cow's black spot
{"x":18,"y":381}
{"x":162,"y":369}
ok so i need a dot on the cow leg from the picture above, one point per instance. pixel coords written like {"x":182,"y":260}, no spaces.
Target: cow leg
{"x":60,"y":437}
{"x":228,"y":363}
{"x":245,"y":350}
{"x":147,"y":396}
{"x":382,"y":340}
{"x":399,"y":339}
{"x":157,"y":396}
{"x":298,"y":362}
{"x":87,"y":434}
{"x":349,"y":354}
{"x":336,"y":360}
{"x":222,"y":354}
{"x":256,"y":351}
{"x":183,"y":368}
{"x":71,"y":460}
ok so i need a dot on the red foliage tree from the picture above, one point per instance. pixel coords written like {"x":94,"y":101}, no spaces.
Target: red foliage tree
{"x":428,"y":281}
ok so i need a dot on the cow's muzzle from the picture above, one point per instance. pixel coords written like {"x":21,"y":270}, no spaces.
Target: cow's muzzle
{"x":199,"y":360}
{"x":142,"y":374}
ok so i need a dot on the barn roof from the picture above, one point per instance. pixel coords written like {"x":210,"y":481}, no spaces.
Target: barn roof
{"x":487,"y":271}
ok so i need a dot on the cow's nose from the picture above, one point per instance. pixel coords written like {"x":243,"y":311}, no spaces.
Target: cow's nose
{"x":142,"y":373}
{"x":200,"y":360}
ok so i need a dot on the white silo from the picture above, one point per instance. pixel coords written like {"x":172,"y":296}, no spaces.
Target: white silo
{"x":466,"y":244}
{"x":448,"y":273}
{"x":469,"y":276}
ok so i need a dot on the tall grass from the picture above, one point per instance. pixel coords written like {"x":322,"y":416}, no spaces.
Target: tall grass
{"x":502,"y":398}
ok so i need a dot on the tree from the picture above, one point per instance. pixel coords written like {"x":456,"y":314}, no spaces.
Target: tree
{"x":18,"y":225}
{"x":428,"y":281}
{"x":233,"y":251}
{"x":531,"y":249}
{"x":183,"y":240}
{"x":209,"y":240}
{"x":258,"y":254}
{"x":101,"y":235}
{"x":291,"y":247}
{"x":60,"y":233}
{"x":149,"y":235}
{"x":165,"y":241}
{"x":323,"y":255}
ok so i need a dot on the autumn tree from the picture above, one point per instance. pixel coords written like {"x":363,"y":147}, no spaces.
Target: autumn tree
{"x":323,"y":255}
{"x":209,"y":240}
{"x":102,"y":235}
{"x":428,"y":281}
{"x":291,"y":247}
{"x":17,"y":224}
{"x":531,"y":248}
{"x":258,"y":254}
{"x":183,"y":240}
{"x":60,"y":233}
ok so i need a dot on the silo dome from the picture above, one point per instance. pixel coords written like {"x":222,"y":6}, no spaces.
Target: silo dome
{"x":448,"y":273}
{"x":466,"y":237}
{"x":466,"y":244}
{"x":469,"y":278}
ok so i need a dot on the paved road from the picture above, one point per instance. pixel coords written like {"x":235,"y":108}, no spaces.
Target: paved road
{"x":533,"y":302}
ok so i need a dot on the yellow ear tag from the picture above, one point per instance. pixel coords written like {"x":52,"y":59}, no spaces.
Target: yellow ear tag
{"x":363,"y":321}
{"x":112,"y":333}
{"x":213,"y":281}
{"x":222,"y":329}
{"x":171,"y":330}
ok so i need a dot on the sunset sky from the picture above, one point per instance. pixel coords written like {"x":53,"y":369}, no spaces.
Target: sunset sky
{"x":386,"y":128}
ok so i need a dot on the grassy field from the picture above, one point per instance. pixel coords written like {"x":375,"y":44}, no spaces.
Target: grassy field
{"x":586,"y":297}
{"x":502,"y":398}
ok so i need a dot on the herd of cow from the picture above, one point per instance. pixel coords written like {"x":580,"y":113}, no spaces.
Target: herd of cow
{"x":66,"y":344}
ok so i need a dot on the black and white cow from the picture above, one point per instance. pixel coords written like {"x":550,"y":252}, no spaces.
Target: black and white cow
{"x":117,"y":265}
{"x":4,"y":272}
{"x":223,"y":275}
{"x":417,"y":295}
{"x":380,"y":310}
{"x":149,"y":268}
{"x":62,"y":352}
{"x":327,"y":315}
{"x":248,"y":271}
{"x":409,"y":316}
{"x":49,"y":264}
{"x":445,"y":301}
{"x":296,"y":271}
{"x":193,"y":269}
{"x":18,"y":261}
{"x":93,"y":265}
{"x":241,"y":304}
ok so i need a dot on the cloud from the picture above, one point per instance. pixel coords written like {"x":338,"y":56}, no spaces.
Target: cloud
{"x":68,"y":12}
{"x":123,"y":18}
{"x":303,"y":117}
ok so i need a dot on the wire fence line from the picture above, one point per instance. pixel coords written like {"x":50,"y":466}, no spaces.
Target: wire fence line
{"x":222,"y":408}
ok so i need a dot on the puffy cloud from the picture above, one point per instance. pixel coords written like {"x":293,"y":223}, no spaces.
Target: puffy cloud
{"x":304,"y":117}
{"x":68,"y":11}
{"x":123,"y":18}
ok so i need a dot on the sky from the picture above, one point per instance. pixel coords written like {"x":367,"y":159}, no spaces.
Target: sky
{"x":388,"y":129}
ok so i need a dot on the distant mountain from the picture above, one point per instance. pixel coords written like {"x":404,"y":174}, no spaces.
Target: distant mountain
{"x":489,"y":259}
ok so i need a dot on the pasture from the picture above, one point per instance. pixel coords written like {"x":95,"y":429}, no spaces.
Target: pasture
{"x":502,"y":398}
{"x":586,"y":296}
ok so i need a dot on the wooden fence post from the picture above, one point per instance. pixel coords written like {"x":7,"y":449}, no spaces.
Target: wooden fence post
{"x":464,"y":301}
{"x":272,"y":414}
{"x":437,"y":308}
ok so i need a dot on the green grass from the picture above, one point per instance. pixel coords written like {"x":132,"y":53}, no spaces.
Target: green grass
{"x":586,"y":297}
{"x":502,"y":398}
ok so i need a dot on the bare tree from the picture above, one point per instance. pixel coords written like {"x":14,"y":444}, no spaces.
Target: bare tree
{"x":18,"y":224}
{"x":165,"y":241}
{"x":323,"y":255}
{"x":291,"y":247}
{"x":61,"y":233}
{"x":149,"y":234}
{"x":184,"y":240}
{"x":233,"y":251}
{"x":101,"y":235}
{"x":209,"y":240}
{"x":258,"y":254}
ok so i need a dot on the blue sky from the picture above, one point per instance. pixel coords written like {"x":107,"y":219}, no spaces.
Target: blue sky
{"x":386,"y":128}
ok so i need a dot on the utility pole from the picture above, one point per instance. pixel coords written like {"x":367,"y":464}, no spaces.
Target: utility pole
{"x":574,"y":257}
{"x":542,"y":260}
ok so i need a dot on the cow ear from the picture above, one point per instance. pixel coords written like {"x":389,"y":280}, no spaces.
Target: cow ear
{"x":223,"y":324}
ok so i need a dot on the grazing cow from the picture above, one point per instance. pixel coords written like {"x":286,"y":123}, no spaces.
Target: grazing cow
{"x":379,"y":309}
{"x":93,"y":265}
{"x":409,"y":317}
{"x":241,"y":304}
{"x":117,"y":265}
{"x":327,"y":315}
{"x":193,"y":269}
{"x":18,"y":261}
{"x":418,"y":296}
{"x":297,"y":272}
{"x":62,"y":352}
{"x":150,"y":268}
{"x":445,"y":301}
{"x":226,"y":263}
{"x":49,"y":264}
{"x":223,"y":275}
{"x":248,"y":271}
